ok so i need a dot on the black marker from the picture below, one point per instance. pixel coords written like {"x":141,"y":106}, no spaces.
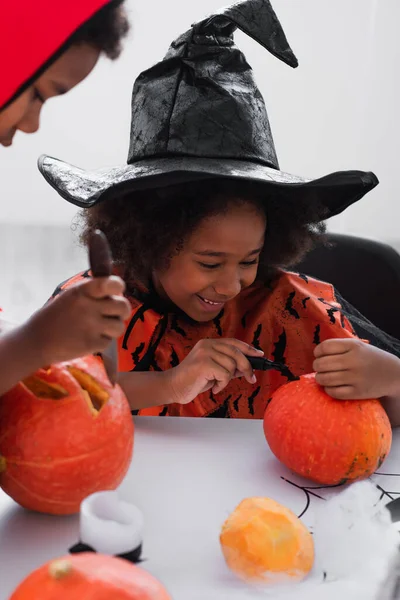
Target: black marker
{"x":260,"y":363}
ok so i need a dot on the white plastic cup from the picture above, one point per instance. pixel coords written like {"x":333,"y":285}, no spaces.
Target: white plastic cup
{"x":110,"y":525}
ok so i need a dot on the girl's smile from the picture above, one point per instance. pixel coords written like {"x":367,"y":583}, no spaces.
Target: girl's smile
{"x":209,"y":305}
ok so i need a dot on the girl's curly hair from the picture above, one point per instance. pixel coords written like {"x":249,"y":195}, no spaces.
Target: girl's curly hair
{"x":146,"y":228}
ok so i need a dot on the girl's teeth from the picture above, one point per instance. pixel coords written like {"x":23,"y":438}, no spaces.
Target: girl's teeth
{"x":209,"y":302}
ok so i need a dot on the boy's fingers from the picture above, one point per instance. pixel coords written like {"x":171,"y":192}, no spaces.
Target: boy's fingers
{"x":100,"y":287}
{"x":117,"y":306}
{"x":112,"y":328}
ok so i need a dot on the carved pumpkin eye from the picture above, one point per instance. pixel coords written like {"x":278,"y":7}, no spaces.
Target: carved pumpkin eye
{"x":95,"y":395}
{"x":43,"y":389}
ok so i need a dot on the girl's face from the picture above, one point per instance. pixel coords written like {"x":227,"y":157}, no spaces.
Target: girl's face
{"x":65,"y":73}
{"x":216,"y":263}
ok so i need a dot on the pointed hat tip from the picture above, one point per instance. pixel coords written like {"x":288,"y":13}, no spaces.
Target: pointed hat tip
{"x":258,"y":20}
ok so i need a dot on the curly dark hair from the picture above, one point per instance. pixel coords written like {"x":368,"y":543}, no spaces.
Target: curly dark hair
{"x":105,"y":29}
{"x":146,"y":229}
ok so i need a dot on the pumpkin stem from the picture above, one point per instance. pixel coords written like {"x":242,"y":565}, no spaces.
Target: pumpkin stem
{"x":59,"y":569}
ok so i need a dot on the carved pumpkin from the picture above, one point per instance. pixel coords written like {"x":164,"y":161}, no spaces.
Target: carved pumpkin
{"x":89,"y":575}
{"x":65,"y":433}
{"x":326,"y":440}
{"x":264,"y":542}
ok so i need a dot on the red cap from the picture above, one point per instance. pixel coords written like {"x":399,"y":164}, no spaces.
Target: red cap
{"x":32,"y":31}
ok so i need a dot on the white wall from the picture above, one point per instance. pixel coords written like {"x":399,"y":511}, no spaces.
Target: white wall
{"x":338,"y":110}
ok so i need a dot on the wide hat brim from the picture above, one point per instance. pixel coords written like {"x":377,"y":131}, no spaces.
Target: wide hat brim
{"x":335,"y":191}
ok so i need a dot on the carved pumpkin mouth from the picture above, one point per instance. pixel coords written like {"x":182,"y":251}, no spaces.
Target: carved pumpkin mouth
{"x":95,"y":395}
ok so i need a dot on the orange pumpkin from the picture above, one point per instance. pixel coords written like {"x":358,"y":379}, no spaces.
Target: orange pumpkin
{"x":65,"y":433}
{"x":264,"y":542}
{"x":90,"y":576}
{"x":328,"y":441}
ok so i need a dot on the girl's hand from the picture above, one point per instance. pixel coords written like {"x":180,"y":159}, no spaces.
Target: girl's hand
{"x":211,"y":364}
{"x":350,"y":369}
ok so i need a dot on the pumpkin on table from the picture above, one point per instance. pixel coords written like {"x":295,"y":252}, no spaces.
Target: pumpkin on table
{"x":90,"y":576}
{"x":264,"y":542}
{"x":326,"y":440}
{"x":65,"y":433}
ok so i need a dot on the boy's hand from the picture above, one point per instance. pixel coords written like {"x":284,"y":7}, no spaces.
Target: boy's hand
{"x":81,"y":320}
{"x":6,"y":326}
{"x":211,"y":364}
{"x":350,"y":369}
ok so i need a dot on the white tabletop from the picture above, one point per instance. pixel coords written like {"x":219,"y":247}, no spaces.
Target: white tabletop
{"x":186,"y":476}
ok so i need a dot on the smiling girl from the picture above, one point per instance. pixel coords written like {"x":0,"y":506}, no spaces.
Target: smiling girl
{"x":203,"y":226}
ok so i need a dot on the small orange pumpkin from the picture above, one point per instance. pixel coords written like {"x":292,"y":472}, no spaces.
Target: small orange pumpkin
{"x":90,"y":576}
{"x":264,"y":542}
{"x":326,"y":440}
{"x":65,"y":433}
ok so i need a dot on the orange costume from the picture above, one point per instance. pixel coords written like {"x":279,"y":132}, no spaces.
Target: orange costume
{"x":286,"y":320}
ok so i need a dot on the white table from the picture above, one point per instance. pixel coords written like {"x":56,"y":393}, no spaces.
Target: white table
{"x":186,"y":476}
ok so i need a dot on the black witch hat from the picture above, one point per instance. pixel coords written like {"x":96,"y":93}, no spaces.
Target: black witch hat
{"x":199,"y":114}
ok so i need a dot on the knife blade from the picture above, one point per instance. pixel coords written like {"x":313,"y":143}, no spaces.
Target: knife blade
{"x":101,"y":263}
